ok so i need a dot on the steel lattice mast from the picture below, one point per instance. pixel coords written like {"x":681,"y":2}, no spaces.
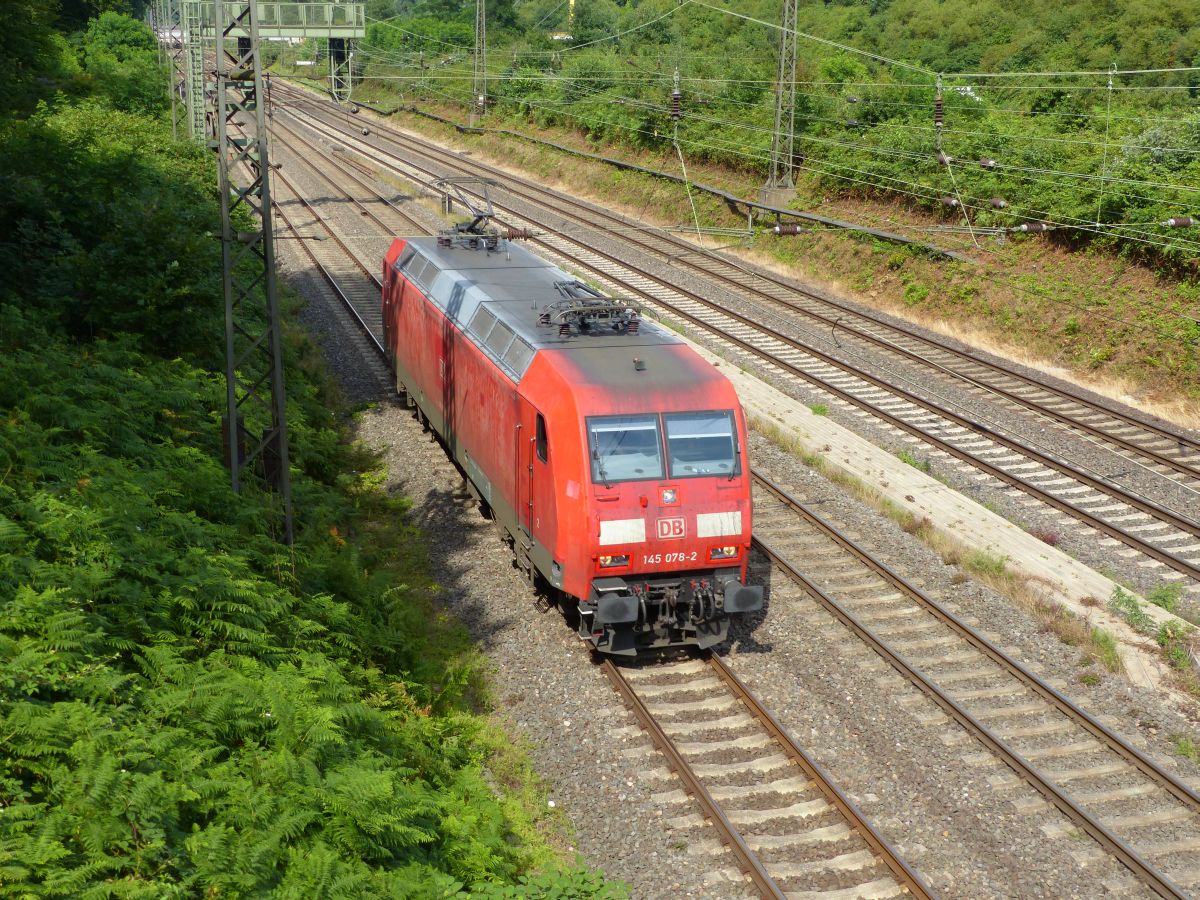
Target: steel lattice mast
{"x":256,"y":419}
{"x":172,"y":24}
{"x":784,"y":138}
{"x":479,"y":83}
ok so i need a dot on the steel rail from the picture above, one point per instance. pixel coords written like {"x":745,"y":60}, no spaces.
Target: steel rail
{"x":908,"y":880}
{"x":1154,"y":429}
{"x":1128,"y":856}
{"x":1160,"y":883}
{"x":1180,"y":789}
{"x":343,"y":164}
{"x":328,"y":276}
{"x":747,"y":860}
{"x":1131,"y":540}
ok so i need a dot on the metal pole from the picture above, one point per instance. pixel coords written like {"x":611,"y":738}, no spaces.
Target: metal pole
{"x":253,"y":342}
{"x":192,"y":20}
{"x":784,"y":137}
{"x":479,"y":83}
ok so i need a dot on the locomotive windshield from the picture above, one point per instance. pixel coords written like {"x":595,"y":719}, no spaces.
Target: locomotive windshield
{"x":625,"y":448}
{"x":701,"y":443}
{"x":629,"y":448}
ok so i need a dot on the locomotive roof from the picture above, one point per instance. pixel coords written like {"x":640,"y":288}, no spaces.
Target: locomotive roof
{"x":478,"y":288}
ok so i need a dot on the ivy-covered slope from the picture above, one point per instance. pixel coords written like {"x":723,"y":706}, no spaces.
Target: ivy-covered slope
{"x":187,"y":707}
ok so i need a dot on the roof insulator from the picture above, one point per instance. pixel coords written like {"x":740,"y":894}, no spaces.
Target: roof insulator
{"x":998,"y":203}
{"x":1181,"y":222}
{"x":639,"y":364}
{"x":366,"y":131}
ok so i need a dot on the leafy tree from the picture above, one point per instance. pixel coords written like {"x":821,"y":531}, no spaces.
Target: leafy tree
{"x":30,"y":51}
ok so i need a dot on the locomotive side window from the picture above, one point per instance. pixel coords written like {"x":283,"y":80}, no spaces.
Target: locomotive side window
{"x":499,"y":339}
{"x":624,"y":448}
{"x":422,"y":271}
{"x":519,"y":356}
{"x":406,"y":256}
{"x":540,"y":443}
{"x":482,"y":322}
{"x":701,"y":443}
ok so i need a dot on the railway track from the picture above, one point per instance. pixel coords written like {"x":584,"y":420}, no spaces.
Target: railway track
{"x":788,"y":827}
{"x":1117,"y":795}
{"x":1169,"y":538}
{"x":1167,"y":448}
{"x":811,"y":837}
{"x":1133,"y":808}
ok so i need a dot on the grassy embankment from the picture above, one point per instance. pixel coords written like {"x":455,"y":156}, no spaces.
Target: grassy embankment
{"x":188,"y":707}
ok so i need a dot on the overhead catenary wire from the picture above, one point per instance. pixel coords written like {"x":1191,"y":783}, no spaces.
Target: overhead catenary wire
{"x":874,"y":180}
{"x":1036,"y":138}
{"x":877,"y":150}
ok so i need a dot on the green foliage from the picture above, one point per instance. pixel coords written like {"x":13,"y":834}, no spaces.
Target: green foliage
{"x":120,"y":57}
{"x":31,"y":52}
{"x":911,"y":459}
{"x":131,"y":251}
{"x":1174,"y":637}
{"x":1128,"y":608}
{"x":1166,"y":595}
{"x":983,"y":562}
{"x":569,"y":884}
{"x":1105,"y":645}
{"x":433,"y":35}
{"x":1186,"y":747}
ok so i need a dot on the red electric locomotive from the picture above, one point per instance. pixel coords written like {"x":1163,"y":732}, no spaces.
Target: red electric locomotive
{"x":611,"y":453}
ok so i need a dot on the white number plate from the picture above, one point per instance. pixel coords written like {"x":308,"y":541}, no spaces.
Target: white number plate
{"x":657,"y":559}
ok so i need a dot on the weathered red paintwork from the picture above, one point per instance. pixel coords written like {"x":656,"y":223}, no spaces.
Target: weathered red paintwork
{"x":483,"y":414}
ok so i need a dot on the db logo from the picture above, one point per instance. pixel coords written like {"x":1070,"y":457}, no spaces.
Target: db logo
{"x":672,"y":528}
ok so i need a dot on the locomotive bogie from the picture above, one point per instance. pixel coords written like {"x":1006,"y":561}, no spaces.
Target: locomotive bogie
{"x":612,"y":456}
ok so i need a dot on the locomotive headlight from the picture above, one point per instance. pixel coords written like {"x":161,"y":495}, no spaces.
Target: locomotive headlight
{"x":608,"y":562}
{"x":722,"y":552}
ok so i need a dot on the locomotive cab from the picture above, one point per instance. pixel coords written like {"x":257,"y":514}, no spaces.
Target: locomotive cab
{"x":612,"y":455}
{"x":671,"y":498}
{"x":651,"y":466}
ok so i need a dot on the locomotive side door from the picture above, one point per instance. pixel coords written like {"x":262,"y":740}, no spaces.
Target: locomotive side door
{"x":535,"y":513}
